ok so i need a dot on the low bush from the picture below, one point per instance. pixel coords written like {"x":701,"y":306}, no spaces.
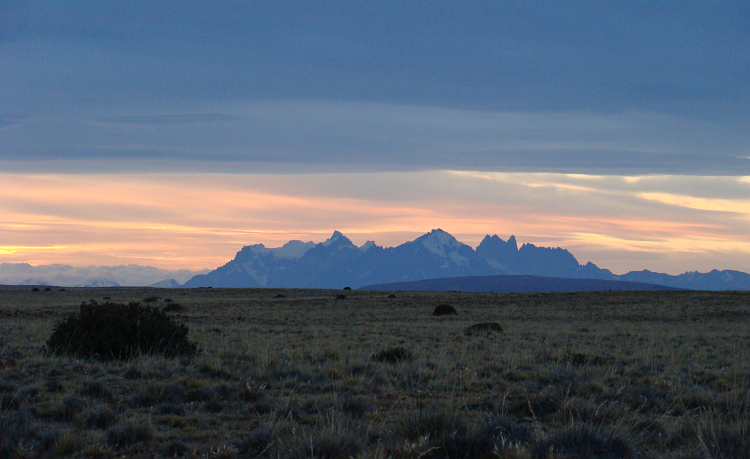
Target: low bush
{"x":173,"y":307}
{"x":117,"y":331}
{"x":444,"y":310}
{"x":393,"y":355}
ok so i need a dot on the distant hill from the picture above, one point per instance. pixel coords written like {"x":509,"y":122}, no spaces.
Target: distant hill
{"x":338,"y":263}
{"x":167,"y":283}
{"x":508,"y":284}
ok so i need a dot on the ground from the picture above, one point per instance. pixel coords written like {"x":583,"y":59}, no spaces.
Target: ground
{"x":307,"y":373}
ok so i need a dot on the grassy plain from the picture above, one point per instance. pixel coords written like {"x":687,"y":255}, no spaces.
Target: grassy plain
{"x":292,"y":373}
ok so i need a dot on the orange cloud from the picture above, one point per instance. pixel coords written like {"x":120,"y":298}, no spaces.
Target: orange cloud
{"x":201,"y":220}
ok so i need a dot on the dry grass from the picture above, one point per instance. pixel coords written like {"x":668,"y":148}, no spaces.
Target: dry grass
{"x":295,"y":373}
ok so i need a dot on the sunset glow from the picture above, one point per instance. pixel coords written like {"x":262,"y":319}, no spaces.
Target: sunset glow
{"x":200,"y":221}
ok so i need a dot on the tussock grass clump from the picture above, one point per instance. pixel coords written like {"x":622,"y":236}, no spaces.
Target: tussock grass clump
{"x":117,"y":331}
{"x":484,"y":327}
{"x":444,"y":310}
{"x":393,"y":355}
{"x":584,"y":440}
{"x":130,"y":433}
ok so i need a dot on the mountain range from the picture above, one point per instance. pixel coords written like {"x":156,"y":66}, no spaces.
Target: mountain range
{"x":92,"y":276}
{"x":338,"y":263}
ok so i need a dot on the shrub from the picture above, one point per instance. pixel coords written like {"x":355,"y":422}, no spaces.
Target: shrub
{"x":117,"y":331}
{"x":174,"y":307}
{"x":485,"y":327}
{"x":444,"y":310}
{"x":393,"y":355}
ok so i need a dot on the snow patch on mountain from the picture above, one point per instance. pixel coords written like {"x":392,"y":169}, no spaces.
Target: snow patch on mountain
{"x":439,"y":242}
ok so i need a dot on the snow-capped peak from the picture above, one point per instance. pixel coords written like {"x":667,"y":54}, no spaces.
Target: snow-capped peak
{"x":338,"y":239}
{"x":293,"y":249}
{"x":438,"y":241}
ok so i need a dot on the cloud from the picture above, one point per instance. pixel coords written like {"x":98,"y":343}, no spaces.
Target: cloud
{"x":202,"y":220}
{"x":166,"y":119}
{"x":297,"y":135}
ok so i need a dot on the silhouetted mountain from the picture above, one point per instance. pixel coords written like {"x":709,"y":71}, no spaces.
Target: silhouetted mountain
{"x":167,"y":283}
{"x":714,"y":280}
{"x":518,"y":283}
{"x":77,"y":276}
{"x":337,"y":263}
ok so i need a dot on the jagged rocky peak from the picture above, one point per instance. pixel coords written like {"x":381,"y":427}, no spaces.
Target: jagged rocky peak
{"x":438,"y":241}
{"x":494,"y":245}
{"x":367,"y":246}
{"x":292,"y":249}
{"x":338,"y":240}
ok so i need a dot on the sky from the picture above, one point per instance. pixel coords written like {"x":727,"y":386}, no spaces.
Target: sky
{"x":172,"y":133}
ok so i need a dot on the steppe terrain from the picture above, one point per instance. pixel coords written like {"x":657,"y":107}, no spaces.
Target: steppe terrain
{"x":324,"y":373}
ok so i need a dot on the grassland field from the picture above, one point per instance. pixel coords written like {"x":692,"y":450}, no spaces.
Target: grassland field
{"x":307,"y":373}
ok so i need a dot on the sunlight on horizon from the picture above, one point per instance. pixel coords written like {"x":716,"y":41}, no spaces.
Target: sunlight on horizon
{"x":197,"y":221}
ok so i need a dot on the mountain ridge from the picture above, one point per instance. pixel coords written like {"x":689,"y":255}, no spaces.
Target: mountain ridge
{"x":338,"y":263}
{"x":514,"y":284}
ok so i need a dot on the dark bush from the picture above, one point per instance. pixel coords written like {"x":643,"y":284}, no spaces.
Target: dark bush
{"x":174,"y":307}
{"x":485,"y":327}
{"x":444,"y":310}
{"x":392,"y":295}
{"x":151,"y":299}
{"x":117,"y":331}
{"x":393,"y":355}
{"x":347,"y":288}
{"x":340,"y":296}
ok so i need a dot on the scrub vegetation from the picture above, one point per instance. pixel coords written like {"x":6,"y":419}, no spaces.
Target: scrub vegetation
{"x":300,"y":373}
